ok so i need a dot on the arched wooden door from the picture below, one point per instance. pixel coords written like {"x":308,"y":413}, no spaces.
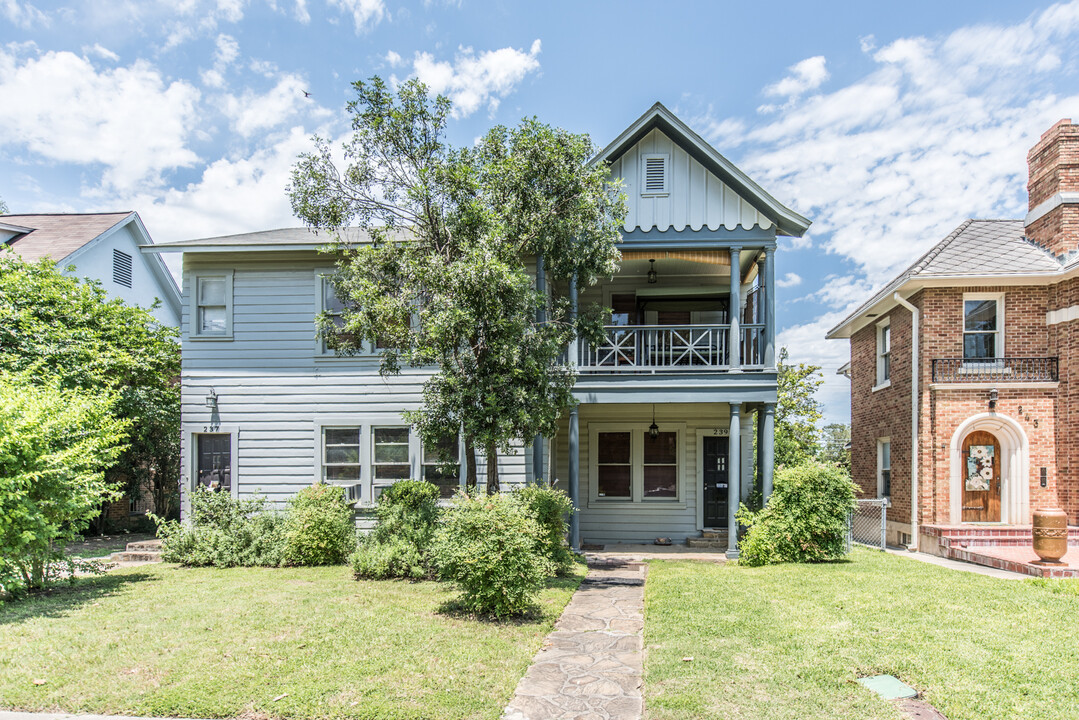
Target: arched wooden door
{"x":981,"y":477}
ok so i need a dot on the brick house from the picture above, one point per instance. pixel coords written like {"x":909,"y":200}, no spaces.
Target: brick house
{"x":968,"y":362}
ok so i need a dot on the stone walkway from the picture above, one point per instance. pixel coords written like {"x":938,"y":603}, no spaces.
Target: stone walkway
{"x":590,"y":666}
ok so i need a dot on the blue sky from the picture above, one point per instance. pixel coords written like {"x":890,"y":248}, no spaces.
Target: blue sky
{"x":887,"y":124}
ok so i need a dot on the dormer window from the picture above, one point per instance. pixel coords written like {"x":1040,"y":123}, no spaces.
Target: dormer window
{"x":655,"y":174}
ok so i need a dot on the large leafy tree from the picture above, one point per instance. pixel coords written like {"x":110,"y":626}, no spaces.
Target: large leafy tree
{"x":835,"y":445}
{"x":68,"y":333}
{"x":797,"y":412}
{"x":447,"y":282}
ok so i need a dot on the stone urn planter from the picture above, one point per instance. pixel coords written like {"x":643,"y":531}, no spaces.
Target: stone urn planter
{"x":1050,"y":536}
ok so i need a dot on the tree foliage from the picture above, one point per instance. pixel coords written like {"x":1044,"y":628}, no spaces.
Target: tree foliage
{"x":835,"y":445}
{"x":55,"y":444}
{"x":797,"y":411}
{"x":447,"y":282}
{"x":68,"y":332}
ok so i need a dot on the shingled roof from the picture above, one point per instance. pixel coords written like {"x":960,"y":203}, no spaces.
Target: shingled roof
{"x":58,"y":235}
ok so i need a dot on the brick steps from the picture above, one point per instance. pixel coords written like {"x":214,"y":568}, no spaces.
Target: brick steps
{"x":710,"y":539}
{"x":1003,"y":548}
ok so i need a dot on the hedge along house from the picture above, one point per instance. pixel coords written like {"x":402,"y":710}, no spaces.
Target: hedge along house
{"x":963,"y":376}
{"x":661,"y":442}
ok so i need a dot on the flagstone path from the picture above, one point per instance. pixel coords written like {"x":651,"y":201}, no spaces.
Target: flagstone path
{"x":590,"y":666}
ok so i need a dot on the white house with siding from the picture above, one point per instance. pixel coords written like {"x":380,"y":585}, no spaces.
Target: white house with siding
{"x":660,"y":444}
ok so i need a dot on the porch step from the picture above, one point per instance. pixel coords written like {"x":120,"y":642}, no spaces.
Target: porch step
{"x":144,"y":546}
{"x":144,"y":551}
{"x":713,"y":534}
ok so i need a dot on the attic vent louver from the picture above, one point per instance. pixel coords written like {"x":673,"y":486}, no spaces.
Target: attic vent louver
{"x":654,"y":172}
{"x":121,"y":268}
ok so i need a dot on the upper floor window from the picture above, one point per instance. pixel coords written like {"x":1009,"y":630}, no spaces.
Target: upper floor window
{"x":983,"y":325}
{"x":332,"y":306}
{"x":884,"y":352}
{"x":211,"y":314}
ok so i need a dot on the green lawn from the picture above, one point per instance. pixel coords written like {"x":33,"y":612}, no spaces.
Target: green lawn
{"x":789,"y":641}
{"x":163,"y":640}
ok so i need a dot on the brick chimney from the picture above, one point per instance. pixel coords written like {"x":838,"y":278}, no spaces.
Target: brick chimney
{"x":1053,"y":217}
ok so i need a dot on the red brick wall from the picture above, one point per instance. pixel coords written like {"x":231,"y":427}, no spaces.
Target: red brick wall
{"x":1054,"y":167}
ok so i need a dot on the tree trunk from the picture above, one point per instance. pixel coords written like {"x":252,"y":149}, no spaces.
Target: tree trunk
{"x":492,"y":469}
{"x":470,"y":458}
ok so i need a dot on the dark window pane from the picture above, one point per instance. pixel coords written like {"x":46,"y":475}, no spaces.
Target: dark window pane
{"x":330,"y":302}
{"x":623,"y":309}
{"x":214,"y":452}
{"x":391,"y":435}
{"x":392,"y":472}
{"x":391,"y":453}
{"x":444,"y":451}
{"x":343,"y":474}
{"x":343,"y":436}
{"x":662,"y":450}
{"x":613,"y":447}
{"x":660,"y":481}
{"x":980,"y":315}
{"x":979,"y":345}
{"x":613,"y":480}
{"x":672,"y":317}
{"x":447,"y":482}
{"x":343,"y":454}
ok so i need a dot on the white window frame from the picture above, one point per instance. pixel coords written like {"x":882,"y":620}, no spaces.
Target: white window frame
{"x":366,"y":350}
{"x":192,"y":431}
{"x":645,"y":157}
{"x":882,"y":329}
{"x":881,"y":442}
{"x":323,"y":465}
{"x":638,"y":436}
{"x":999,"y":351}
{"x":194,"y":323}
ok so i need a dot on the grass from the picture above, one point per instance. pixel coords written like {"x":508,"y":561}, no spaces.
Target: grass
{"x":100,"y":546}
{"x":298,"y":643}
{"x":789,"y":641}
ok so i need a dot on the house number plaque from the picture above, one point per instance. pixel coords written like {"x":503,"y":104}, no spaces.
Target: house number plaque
{"x":721,"y":432}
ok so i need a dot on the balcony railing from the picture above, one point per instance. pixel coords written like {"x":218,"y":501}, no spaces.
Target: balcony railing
{"x":651,"y":348}
{"x":995,"y":370}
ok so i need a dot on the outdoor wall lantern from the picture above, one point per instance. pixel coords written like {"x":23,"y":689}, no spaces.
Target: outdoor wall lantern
{"x":652,"y":273}
{"x":211,"y":400}
{"x":993,"y":396}
{"x":653,"y":429}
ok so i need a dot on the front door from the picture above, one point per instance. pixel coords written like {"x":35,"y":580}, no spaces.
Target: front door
{"x":715,"y":482}
{"x":981,"y":478}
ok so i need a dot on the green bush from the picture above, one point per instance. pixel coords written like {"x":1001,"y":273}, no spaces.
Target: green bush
{"x":319,"y":527}
{"x":398,"y":547}
{"x":549,"y":508}
{"x":224,"y":532}
{"x":805,"y":520}
{"x":487,"y":546}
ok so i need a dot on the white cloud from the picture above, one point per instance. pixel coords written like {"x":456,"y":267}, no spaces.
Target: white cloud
{"x":804,"y":76}
{"x":127,"y":119}
{"x":253,"y":112}
{"x":23,"y":15}
{"x":472,"y":80}
{"x":789,"y":280}
{"x":227,"y":51}
{"x":100,"y":51}
{"x":300,"y":12}
{"x":393,"y":59}
{"x":365,"y":13}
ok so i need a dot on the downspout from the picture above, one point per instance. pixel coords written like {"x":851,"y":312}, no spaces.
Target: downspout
{"x":914,"y":370}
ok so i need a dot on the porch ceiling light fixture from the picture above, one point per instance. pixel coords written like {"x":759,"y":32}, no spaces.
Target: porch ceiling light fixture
{"x":652,"y":277}
{"x":653,"y":429}
{"x":211,"y":400}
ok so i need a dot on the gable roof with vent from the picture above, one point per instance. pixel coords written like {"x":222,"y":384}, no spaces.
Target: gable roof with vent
{"x":704,"y":190}
{"x":977,"y":252}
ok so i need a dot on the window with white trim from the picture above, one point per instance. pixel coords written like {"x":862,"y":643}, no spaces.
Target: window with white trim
{"x":211,"y":315}
{"x":660,"y":467}
{"x":390,"y":457}
{"x":884,"y":351}
{"x":213,"y":461}
{"x":983,"y":326}
{"x":614,"y":467}
{"x":341,"y":463}
{"x":884,"y":468}
{"x":655,"y":174}
{"x":628,"y":465}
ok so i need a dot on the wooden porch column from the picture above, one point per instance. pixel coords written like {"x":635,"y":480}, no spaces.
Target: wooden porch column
{"x":766,"y":446}
{"x":735,"y":361}
{"x":574,"y":435}
{"x":734,"y":477}
{"x":541,"y":317}
{"x":769,"y":308}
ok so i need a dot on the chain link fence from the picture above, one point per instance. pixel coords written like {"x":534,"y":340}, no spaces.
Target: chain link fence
{"x":868,"y":523}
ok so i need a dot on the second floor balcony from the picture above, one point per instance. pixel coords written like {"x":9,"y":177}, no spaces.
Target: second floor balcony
{"x":673,"y":348}
{"x":998,"y":370}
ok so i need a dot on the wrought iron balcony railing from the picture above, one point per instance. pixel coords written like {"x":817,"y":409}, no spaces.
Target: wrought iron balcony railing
{"x":960,"y":370}
{"x":650,"y":348}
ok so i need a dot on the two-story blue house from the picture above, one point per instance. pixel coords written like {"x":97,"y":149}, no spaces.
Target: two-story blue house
{"x":661,"y":442}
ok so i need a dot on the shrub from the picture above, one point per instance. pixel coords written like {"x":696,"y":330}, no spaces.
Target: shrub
{"x":549,"y":508}
{"x":805,"y":520}
{"x":399,"y":544}
{"x":487,"y":546}
{"x":224,"y":532}
{"x":319,"y":528}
